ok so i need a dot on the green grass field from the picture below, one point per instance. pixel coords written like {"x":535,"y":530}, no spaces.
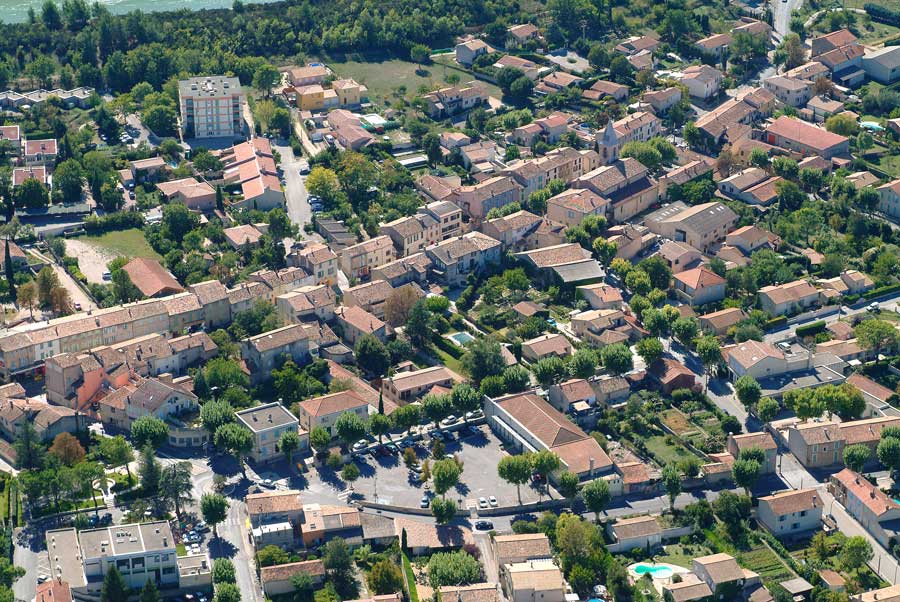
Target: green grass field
{"x":125,"y":243}
{"x":764,"y":561}
{"x":383,"y":78}
{"x":667,"y":453}
{"x":891,"y":165}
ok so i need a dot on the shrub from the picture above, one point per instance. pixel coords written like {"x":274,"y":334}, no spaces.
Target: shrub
{"x":809,"y":330}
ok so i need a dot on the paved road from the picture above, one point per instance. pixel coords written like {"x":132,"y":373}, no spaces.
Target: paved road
{"x":143,"y":134}
{"x":782,"y":15}
{"x":75,"y":292}
{"x":891,"y":303}
{"x":295,"y":190}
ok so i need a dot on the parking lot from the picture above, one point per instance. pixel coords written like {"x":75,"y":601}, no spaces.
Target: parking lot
{"x":480,"y":453}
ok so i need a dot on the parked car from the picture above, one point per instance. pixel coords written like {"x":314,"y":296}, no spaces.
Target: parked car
{"x":200,"y":527}
{"x":424,"y":502}
{"x":451,"y":419}
{"x":362,"y":443}
{"x":482,"y":502}
{"x":77,"y":307}
{"x":268,"y":483}
{"x":192,"y":537}
{"x":107,"y":276}
{"x":484,"y":525}
{"x":492,"y":501}
{"x":474,"y":414}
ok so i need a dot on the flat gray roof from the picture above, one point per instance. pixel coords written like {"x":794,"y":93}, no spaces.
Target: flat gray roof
{"x":62,"y":549}
{"x":212,"y":86}
{"x":265,"y":417}
{"x":122,"y":540}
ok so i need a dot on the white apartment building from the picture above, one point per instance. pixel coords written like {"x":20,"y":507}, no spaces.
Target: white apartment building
{"x":211,"y":107}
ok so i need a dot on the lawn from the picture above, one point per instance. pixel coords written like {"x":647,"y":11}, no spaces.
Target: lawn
{"x":383,"y":78}
{"x":680,"y":555}
{"x":666,"y":453}
{"x":448,"y":360}
{"x":891,"y":165}
{"x":124,"y":243}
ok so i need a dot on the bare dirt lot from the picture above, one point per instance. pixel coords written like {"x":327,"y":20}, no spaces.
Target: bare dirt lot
{"x":91,"y":259}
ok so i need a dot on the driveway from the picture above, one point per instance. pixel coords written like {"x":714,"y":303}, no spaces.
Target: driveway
{"x":138,"y":131}
{"x":65,"y":280}
{"x":298,"y":209}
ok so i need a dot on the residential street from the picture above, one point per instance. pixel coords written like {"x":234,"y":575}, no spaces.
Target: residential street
{"x":887,"y":304}
{"x":295,"y":190}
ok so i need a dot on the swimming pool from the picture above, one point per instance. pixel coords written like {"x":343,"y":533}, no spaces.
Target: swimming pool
{"x":461,"y":338}
{"x":657,"y":572}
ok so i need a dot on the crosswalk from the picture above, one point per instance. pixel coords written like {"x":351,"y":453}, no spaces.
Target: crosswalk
{"x":345,"y":494}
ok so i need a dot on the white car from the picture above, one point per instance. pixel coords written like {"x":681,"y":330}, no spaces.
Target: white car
{"x":493,"y":501}
{"x":482,"y":502}
{"x":873,"y":306}
{"x":361,"y":444}
{"x":451,"y":419}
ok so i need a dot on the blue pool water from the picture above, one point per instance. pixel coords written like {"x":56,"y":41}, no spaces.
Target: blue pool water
{"x":461,"y":338}
{"x":660,"y":572}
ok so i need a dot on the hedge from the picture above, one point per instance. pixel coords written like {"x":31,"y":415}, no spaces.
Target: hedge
{"x":882,"y":14}
{"x":121,"y":220}
{"x":811,"y":329}
{"x":445,"y":345}
{"x":884,"y":290}
{"x":776,"y":322}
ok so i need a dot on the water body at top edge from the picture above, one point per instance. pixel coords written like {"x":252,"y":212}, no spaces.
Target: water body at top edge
{"x":16,"y":11}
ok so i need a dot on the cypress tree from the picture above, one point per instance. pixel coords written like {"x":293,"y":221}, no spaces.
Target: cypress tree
{"x":220,"y":201}
{"x":10,"y":274}
{"x":114,"y":587}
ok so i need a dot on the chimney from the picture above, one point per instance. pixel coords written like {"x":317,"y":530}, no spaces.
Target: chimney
{"x":165,"y":377}
{"x":269,"y":418}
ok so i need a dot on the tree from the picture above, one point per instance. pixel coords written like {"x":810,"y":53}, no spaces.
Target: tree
{"x":67,"y":448}
{"x":746,"y":473}
{"x":384,"y":578}
{"x":68,"y":177}
{"x":379,"y":425}
{"x":748,"y":390}
{"x":568,"y":485}
{"x":453,"y":568}
{"x":465,"y":398}
{"x":176,"y":485}
{"x":10,"y":274}
{"x":399,"y":305}
{"x":443,"y":510}
{"x":227,"y":592}
{"x":876,"y":336}
{"x":235,"y":440}
{"x":805,"y":403}
{"x":515,"y":470}
{"x":671,"y":479}
{"x":548,"y":369}
{"x":843,"y":125}
{"x":790,"y":52}
{"x":223,"y":571}
{"x":372,"y":355}
{"x":638,"y":282}
{"x":29,"y":449}
{"x":710,"y":353}
{"x":616,"y":358}
{"x":114,"y":588}
{"x":583,"y":363}
{"x":215,"y":413}
{"x":337,"y":558}
{"x":160,"y":119}
{"x":31,"y":193}
{"x":418,"y":325}
{"x":516,"y":379}
{"x":685,"y":329}
{"x":431,"y":144}
{"x":445,"y":475}
{"x":604,"y":250}
{"x":857,"y":456}
{"x":46,"y":280}
{"x":214,"y":508}
{"x":767,"y":409}
{"x":349,"y":473}
{"x":265,"y":78}
{"x":60,"y":301}
{"x":650,"y":349}
{"x":319,"y":438}
{"x":596,"y":497}
{"x":323,"y":182}
{"x":149,"y":472}
{"x":855,"y":553}
{"x":149,"y":593}
{"x":115,"y":451}
{"x":289,"y":442}
{"x":26,"y":296}
{"x":271,"y":555}
{"x":149,"y":430}
{"x":888,"y":452}
{"x":845,"y":400}
{"x":436,"y":407}
{"x":483,"y":358}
